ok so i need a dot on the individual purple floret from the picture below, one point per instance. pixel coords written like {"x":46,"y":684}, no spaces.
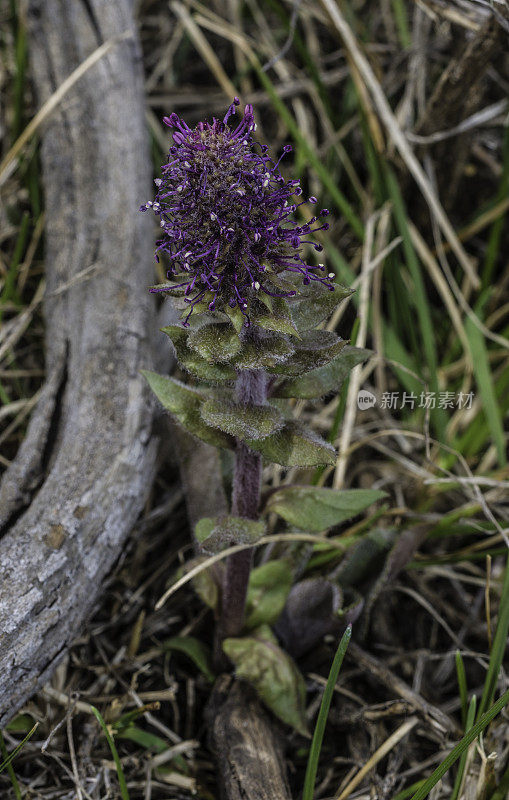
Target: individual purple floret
{"x":226,"y":217}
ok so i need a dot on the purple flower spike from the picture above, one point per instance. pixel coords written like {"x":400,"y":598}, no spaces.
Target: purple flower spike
{"x":225,"y":215}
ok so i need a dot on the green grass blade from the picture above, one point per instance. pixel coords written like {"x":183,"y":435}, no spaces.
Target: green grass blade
{"x":405,"y":793}
{"x":114,"y":752}
{"x":316,"y":744}
{"x":320,"y":169}
{"x":12,"y":776}
{"x":463,"y":758}
{"x":5,"y":763}
{"x":498,"y":648}
{"x":400,"y":16}
{"x":421,"y":298}
{"x":462,"y":684}
{"x":484,"y":382}
{"x":461,"y":747}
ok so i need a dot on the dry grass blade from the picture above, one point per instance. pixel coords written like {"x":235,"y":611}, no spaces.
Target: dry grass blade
{"x":377,"y":756}
{"x":205,"y":50}
{"x":51,"y":104}
{"x":398,"y":137}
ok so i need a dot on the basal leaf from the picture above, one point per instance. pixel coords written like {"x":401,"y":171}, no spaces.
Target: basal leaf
{"x":315,"y":509}
{"x":260,"y":661}
{"x":295,"y":446}
{"x":191,"y":361}
{"x":316,"y":349}
{"x":269,"y":586}
{"x":216,"y":341}
{"x":195,"y":650}
{"x":318,"y":304}
{"x":217,"y":533}
{"x":243,"y":421}
{"x":184,"y":404}
{"x":323,"y":380}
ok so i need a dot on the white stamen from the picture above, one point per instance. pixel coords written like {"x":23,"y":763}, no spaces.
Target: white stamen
{"x":256,"y":285}
{"x":332,"y":274}
{"x":255,"y":126}
{"x":244,"y":305}
{"x":158,"y":181}
{"x":162,"y":223}
{"x":241,"y":191}
{"x":257,"y":237}
{"x":179,"y":188}
{"x":187,"y":164}
{"x":213,"y":216}
{"x":149,"y":203}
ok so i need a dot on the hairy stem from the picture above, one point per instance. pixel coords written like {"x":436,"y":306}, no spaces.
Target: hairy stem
{"x":251,"y":389}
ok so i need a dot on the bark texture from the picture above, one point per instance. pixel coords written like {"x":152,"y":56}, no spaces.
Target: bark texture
{"x":84,"y":470}
{"x":248,"y":749}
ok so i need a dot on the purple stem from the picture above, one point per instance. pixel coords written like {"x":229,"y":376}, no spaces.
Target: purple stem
{"x":250,"y":389}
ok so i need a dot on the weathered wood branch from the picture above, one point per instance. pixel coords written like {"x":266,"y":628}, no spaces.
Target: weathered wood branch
{"x":248,"y":749}
{"x":86,"y":465}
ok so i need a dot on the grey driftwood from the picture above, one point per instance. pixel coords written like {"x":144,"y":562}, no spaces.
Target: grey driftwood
{"x":86,"y":465}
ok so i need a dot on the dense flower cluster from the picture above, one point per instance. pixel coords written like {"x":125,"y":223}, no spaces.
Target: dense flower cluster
{"x":225,"y":213}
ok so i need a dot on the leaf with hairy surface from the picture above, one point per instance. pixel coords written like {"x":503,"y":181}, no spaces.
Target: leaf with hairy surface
{"x":316,"y":349}
{"x":313,"y":508}
{"x":218,"y":533}
{"x":295,"y":446}
{"x":240,"y":420}
{"x":184,"y":404}
{"x":215,"y":341}
{"x":318,"y":304}
{"x":192,"y":362}
{"x":269,"y":586}
{"x":321,"y":381}
{"x":260,"y":661}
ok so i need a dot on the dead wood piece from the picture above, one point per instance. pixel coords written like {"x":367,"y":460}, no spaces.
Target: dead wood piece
{"x":248,"y":750}
{"x":86,"y":465}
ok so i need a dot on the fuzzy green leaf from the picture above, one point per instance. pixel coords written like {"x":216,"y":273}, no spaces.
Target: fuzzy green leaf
{"x":260,"y":661}
{"x":192,"y":362}
{"x":236,"y":316}
{"x":184,"y":405}
{"x":169,"y":288}
{"x":323,"y":380}
{"x":316,"y":349}
{"x":271,"y":349}
{"x":318,"y":304}
{"x":217,"y":533}
{"x":315,"y":509}
{"x":243,"y":421}
{"x":269,"y":586}
{"x":295,"y":446}
{"x":278,"y":320}
{"x":215,"y":341}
